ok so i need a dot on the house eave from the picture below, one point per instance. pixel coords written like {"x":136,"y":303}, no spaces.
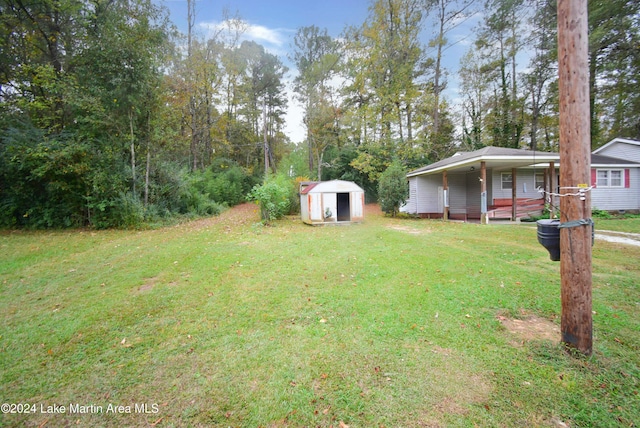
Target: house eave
{"x":615,"y":165}
{"x":509,"y":161}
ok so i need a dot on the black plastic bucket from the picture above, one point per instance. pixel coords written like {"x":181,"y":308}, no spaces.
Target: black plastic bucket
{"x":549,"y":237}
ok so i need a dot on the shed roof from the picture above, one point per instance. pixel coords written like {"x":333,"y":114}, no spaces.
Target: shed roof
{"x":333,"y":186}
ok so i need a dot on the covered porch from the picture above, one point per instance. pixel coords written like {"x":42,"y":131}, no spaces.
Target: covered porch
{"x":490,"y":183}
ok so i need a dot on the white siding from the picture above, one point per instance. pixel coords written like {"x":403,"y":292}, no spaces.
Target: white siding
{"x":330,"y":201}
{"x":410,"y":207}
{"x":620,"y":150}
{"x":356,"y":203}
{"x":304,"y":208}
{"x":608,"y":198}
{"x":525,"y":185}
{"x":457,"y":193}
{"x":315,"y":207}
{"x":427,"y":194}
{"x":473,"y":194}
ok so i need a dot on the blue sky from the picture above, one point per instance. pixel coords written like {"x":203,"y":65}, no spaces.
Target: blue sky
{"x":280,"y":16}
{"x":273,"y":24}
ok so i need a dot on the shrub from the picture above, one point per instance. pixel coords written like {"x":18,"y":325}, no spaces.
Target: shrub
{"x":596,"y":213}
{"x":392,"y":189}
{"x":274,"y":197}
{"x":127,"y":211}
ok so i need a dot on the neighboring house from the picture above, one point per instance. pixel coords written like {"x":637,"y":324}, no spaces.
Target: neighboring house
{"x":615,"y":175}
{"x":503,"y":183}
{"x":330,"y":202}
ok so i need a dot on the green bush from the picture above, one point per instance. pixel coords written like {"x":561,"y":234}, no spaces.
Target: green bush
{"x":128,"y":211}
{"x":274,"y":197}
{"x":393,"y":190}
{"x":596,"y":213}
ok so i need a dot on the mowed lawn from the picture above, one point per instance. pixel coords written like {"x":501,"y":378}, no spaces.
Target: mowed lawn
{"x":224,"y":322}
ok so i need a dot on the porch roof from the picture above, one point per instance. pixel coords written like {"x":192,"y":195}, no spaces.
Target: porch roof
{"x":494,"y":157}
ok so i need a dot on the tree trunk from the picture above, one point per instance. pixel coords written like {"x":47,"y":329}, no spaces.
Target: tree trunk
{"x":146,"y":178}
{"x":146,"y":173}
{"x":266,"y":142}
{"x":133,"y":153}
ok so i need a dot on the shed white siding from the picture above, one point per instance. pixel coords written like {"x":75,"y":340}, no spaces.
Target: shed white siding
{"x":357,"y":205}
{"x":329,"y":205}
{"x":315,"y":206}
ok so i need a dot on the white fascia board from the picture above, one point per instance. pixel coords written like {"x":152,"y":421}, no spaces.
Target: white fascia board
{"x":486,"y":158}
{"x":615,"y":165}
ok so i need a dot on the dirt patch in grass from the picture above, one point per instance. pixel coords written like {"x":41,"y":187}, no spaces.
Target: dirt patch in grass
{"x":406,"y":229}
{"x":230,"y":219}
{"x":148,"y":284}
{"x":531,"y":328}
{"x":477,"y":391}
{"x":372,"y":210}
{"x":459,"y":392}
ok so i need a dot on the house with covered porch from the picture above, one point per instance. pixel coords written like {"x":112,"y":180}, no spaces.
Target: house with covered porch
{"x":497,"y":182}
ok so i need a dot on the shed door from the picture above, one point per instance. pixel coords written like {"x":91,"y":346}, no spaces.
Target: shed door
{"x":344,"y":207}
{"x":315,"y":206}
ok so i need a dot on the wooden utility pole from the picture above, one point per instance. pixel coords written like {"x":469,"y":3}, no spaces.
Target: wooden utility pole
{"x":575,"y":164}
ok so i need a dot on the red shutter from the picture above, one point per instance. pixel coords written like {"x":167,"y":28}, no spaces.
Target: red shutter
{"x":627,"y":178}
{"x":593,"y":178}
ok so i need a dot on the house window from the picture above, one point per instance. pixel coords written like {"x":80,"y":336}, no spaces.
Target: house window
{"x":610,"y":178}
{"x":539,"y":180}
{"x":507,"y":181}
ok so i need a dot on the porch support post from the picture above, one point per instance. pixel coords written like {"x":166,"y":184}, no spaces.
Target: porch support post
{"x":445,"y":196}
{"x":552,"y":186}
{"x":514,"y":195}
{"x":484,"y":218}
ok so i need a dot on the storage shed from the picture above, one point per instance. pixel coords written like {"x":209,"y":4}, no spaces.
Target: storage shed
{"x":331,"y":202}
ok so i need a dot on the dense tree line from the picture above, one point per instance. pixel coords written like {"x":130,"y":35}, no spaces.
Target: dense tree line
{"x":110,"y":117}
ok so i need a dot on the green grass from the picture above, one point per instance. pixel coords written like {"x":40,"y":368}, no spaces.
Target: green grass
{"x":387,"y":323}
{"x":619,"y":224}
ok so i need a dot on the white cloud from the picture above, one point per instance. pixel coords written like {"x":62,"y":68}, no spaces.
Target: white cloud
{"x":260,"y":33}
{"x":273,"y":39}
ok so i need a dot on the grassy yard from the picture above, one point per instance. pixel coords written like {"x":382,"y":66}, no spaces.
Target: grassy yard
{"x":629,"y":225}
{"x":223,"y":322}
